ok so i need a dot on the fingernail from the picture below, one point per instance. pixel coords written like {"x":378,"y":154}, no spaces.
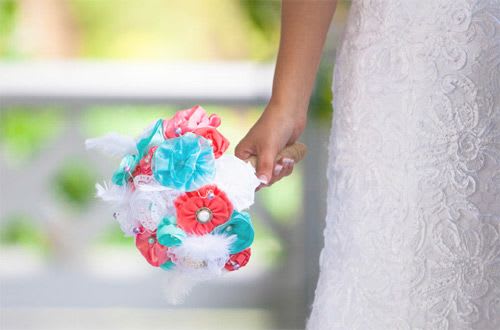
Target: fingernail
{"x":263,"y":178}
{"x":277,"y":169}
{"x":287,"y":162}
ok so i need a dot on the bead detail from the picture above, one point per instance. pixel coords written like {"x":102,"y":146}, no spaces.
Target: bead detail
{"x":203,"y":215}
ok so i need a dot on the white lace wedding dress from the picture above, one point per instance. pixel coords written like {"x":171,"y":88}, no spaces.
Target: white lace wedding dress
{"x":412,"y":239}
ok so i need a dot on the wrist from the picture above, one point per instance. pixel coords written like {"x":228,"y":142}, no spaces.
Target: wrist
{"x":292,"y":104}
{"x":289,"y":111}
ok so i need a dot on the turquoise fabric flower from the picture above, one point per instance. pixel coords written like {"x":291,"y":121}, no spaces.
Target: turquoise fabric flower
{"x":129,"y":162}
{"x":240,"y":225}
{"x":153,"y":138}
{"x":168,"y":233}
{"x":168,"y":265}
{"x":127,"y":166}
{"x":185,"y":163}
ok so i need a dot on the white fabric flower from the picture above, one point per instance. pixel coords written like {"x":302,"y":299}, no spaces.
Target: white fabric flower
{"x":237,"y":179}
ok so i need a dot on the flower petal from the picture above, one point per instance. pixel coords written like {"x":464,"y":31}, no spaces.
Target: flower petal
{"x":241,"y":226}
{"x":169,"y":234}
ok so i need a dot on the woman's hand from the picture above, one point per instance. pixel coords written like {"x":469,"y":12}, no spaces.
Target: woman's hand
{"x":304,"y":25}
{"x":277,"y":127}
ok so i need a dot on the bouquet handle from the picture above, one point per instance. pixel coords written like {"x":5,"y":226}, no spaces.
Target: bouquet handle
{"x":296,"y":151}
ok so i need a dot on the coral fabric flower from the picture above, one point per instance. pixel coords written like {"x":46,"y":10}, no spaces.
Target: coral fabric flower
{"x":144,"y":166}
{"x":200,"y":211}
{"x":238,"y":260}
{"x":184,"y":163}
{"x":219,"y":142}
{"x":154,"y":252}
{"x":187,"y":121}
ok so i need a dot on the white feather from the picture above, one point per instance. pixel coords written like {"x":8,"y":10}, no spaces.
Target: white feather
{"x":198,"y":259}
{"x":112,"y":144}
{"x":111,"y":192}
{"x":211,"y":251}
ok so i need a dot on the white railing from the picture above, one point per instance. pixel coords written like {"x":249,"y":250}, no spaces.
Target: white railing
{"x":71,"y":82}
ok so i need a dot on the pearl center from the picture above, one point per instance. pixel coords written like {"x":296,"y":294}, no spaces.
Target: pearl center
{"x":203,"y":215}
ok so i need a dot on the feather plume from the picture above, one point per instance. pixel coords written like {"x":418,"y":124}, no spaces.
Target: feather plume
{"x":112,"y":144}
{"x":198,"y":259}
{"x":110,"y":192}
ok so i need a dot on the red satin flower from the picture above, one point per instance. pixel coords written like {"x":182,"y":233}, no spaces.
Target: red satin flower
{"x":238,"y":260}
{"x":200,"y":211}
{"x":219,"y":142}
{"x":154,"y":252}
{"x":144,"y":166}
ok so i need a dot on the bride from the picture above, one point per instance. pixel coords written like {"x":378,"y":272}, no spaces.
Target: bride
{"x":412,"y":238}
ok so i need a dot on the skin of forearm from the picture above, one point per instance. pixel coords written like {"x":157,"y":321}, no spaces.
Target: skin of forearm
{"x":304,"y":26}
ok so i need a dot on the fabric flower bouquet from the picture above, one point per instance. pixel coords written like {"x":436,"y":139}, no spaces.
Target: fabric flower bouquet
{"x":182,"y":198}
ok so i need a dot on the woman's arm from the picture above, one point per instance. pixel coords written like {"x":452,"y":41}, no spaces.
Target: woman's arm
{"x":304,"y":26}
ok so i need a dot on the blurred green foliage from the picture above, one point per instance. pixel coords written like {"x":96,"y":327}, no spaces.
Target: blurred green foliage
{"x":113,"y":235}
{"x":264,"y":15}
{"x":74,"y":182}
{"x":266,"y":246}
{"x":128,"y":120}
{"x":176,"y":29}
{"x":8,"y":11}
{"x":23,"y":231}
{"x":320,"y":108}
{"x":283,"y":199}
{"x":24,"y":130}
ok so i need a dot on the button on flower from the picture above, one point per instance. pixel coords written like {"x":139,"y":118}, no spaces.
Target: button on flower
{"x":236,"y":261}
{"x":188,"y":120}
{"x":184,"y":163}
{"x":200,"y":211}
{"x":147,"y":243}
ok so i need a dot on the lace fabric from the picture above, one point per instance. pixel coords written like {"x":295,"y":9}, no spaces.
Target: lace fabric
{"x":412,"y":238}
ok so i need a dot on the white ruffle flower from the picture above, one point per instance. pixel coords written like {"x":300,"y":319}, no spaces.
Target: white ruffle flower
{"x":237,"y":179}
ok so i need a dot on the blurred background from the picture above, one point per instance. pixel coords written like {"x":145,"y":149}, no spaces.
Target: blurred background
{"x":73,"y":69}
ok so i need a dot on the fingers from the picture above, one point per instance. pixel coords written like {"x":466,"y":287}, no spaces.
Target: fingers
{"x":265,"y":165}
{"x":287,"y":168}
{"x":283,"y":168}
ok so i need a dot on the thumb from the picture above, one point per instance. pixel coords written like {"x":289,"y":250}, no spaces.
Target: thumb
{"x":242,"y":151}
{"x":265,"y":164}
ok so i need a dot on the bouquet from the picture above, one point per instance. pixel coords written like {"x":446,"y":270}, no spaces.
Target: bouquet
{"x":182,"y":198}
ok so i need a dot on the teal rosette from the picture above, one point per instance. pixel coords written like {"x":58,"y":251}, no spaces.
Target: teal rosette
{"x":240,"y":225}
{"x":128,"y":163}
{"x":168,"y":233}
{"x":185,"y":163}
